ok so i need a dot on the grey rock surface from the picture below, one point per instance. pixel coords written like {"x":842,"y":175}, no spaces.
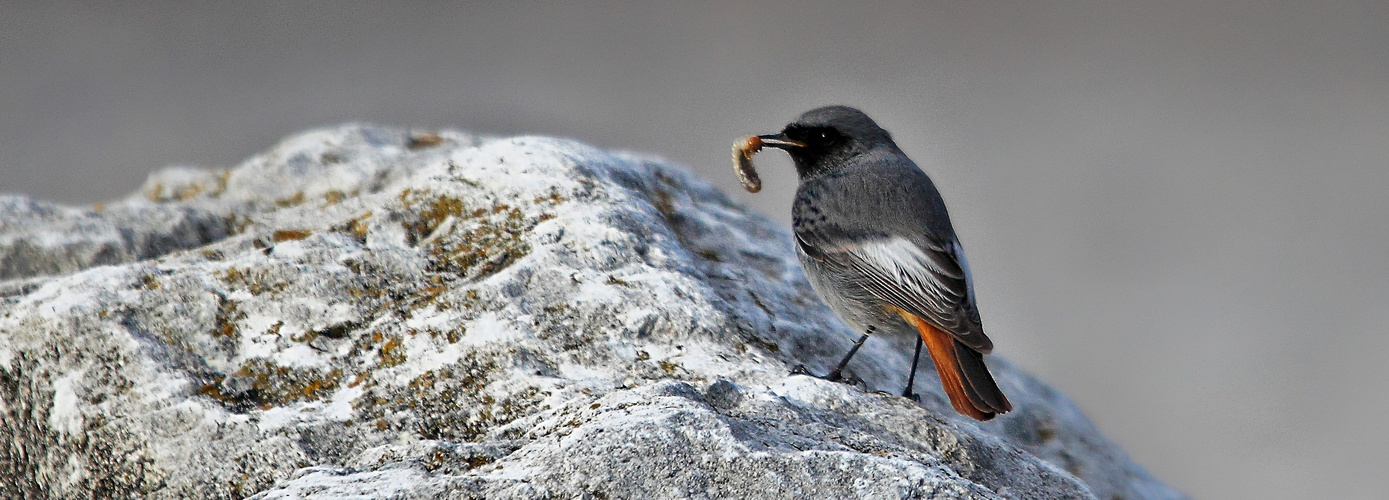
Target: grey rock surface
{"x":367,"y":312}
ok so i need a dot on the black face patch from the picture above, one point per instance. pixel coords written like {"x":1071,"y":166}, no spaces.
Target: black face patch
{"x":815,"y":138}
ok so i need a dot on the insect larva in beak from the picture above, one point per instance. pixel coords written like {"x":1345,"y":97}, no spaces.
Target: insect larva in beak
{"x":743,"y":149}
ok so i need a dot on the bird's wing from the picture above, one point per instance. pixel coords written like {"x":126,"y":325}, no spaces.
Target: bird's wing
{"x":929,"y":279}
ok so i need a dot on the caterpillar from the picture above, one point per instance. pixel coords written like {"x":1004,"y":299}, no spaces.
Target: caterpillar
{"x":743,"y":149}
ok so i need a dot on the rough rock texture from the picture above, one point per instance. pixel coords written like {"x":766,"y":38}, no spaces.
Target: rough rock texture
{"x":363,"y":311}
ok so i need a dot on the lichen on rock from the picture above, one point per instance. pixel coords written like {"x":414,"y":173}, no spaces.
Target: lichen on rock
{"x":367,"y":311}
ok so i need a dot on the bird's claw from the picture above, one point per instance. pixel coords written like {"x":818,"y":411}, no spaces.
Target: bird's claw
{"x":832,"y":376}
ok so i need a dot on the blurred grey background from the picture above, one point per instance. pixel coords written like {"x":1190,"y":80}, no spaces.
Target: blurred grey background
{"x":1176,"y":212}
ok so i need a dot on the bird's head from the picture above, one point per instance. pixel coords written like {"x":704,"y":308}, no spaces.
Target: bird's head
{"x":824,"y":139}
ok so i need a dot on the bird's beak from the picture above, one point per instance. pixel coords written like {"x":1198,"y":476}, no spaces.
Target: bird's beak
{"x":780,"y":141}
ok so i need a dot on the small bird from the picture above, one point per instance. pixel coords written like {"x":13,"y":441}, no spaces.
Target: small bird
{"x":875,"y":239}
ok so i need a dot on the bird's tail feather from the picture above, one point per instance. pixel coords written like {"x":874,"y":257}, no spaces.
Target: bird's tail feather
{"x":963,"y":374}
{"x":983,"y":392}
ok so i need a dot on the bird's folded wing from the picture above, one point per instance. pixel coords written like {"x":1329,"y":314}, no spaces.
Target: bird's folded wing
{"x":931,"y":280}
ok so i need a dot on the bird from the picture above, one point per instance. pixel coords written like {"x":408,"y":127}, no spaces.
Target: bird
{"x":875,"y":239}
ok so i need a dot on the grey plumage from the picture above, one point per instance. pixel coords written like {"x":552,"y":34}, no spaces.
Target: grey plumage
{"x":875,"y":238}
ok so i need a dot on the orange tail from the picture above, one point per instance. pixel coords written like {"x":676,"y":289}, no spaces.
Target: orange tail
{"x":964,"y":376}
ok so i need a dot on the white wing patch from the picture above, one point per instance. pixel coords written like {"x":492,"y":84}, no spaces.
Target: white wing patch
{"x":933,"y":282}
{"x":912,"y":268}
{"x":898,"y":253}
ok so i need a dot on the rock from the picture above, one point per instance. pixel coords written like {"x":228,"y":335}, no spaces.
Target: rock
{"x":367,"y":311}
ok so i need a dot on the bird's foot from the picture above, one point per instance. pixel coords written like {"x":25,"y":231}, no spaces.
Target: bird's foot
{"x":834,"y":376}
{"x":906,"y":394}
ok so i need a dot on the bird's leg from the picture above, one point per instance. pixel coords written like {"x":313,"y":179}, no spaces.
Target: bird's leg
{"x":838,"y":373}
{"x":911,"y":378}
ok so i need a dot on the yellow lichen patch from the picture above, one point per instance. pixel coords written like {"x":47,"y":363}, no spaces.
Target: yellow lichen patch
{"x":429,"y":293}
{"x":186,"y":193}
{"x":307,"y":336}
{"x":224,"y":323}
{"x":376,"y":344}
{"x":455,"y":335}
{"x":256,"y":281}
{"x":222,"y":178}
{"x":486,"y":247}
{"x":472,"y":242}
{"x":333,"y":197}
{"x":391,"y":353}
{"x":289,"y":235}
{"x":294,"y":200}
{"x":357,"y":227}
{"x":456,"y":460}
{"x":160,"y":193}
{"x":361,"y":377}
{"x":261,"y":383}
{"x":155,"y":193}
{"x":149,"y":282}
{"x":450,"y":404}
{"x":669,"y":367}
{"x":614,"y":280}
{"x":435,"y":212}
{"x":421,"y":140}
{"x":237,"y":223}
{"x":554,"y":198}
